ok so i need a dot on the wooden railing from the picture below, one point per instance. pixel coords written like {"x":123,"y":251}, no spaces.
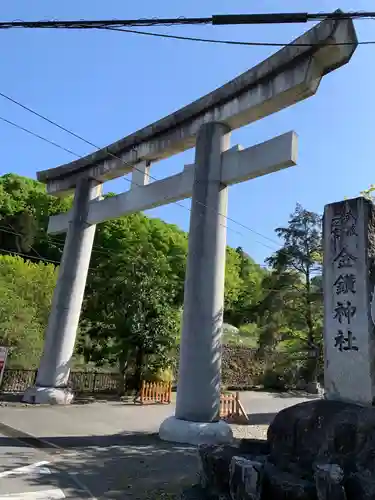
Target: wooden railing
{"x":155,"y":392}
{"x":231,"y":407}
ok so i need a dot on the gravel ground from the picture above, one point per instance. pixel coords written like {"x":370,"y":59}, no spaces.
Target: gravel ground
{"x":250,"y":431}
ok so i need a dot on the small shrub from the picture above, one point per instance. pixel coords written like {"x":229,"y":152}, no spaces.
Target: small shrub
{"x":273,"y":381}
{"x":160,"y":376}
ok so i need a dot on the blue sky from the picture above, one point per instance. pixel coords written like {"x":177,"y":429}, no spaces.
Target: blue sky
{"x":107,"y":85}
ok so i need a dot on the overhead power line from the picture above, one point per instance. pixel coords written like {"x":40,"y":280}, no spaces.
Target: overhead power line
{"x":52,"y":122}
{"x":39,"y":258}
{"x":107,"y":253}
{"x":215,"y":20}
{"x":39,"y":136}
{"x":236,"y":42}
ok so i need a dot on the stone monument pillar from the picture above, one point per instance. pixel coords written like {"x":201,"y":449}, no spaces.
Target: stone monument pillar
{"x":53,"y":373}
{"x":349,"y":280}
{"x":198,"y":390}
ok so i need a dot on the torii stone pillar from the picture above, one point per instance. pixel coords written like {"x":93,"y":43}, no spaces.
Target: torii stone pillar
{"x":198,"y":393}
{"x":51,"y":383}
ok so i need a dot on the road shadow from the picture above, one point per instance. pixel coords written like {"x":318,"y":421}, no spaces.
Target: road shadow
{"x":11,"y":397}
{"x":126,"y":465}
{"x":79,"y":399}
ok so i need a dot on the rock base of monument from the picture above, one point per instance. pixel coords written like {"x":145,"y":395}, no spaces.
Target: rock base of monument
{"x":316,"y":450}
{"x":48,"y":395}
{"x":195,"y":433}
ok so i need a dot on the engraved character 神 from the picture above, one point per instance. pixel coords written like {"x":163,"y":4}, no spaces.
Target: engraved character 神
{"x":344,"y":311}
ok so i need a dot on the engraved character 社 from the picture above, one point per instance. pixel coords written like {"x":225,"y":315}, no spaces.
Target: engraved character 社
{"x":345,"y":343}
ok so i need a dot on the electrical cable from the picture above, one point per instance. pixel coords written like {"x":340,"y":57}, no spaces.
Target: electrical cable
{"x":215,"y":20}
{"x":234,"y":42}
{"x":39,"y":136}
{"x":118,"y":158}
{"x":12,"y":252}
{"x":39,"y":257}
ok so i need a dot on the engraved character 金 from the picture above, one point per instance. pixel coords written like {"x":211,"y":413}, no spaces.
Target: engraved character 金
{"x":344,"y":311}
{"x":345,"y":283}
{"x":345,"y":343}
{"x":344,"y":259}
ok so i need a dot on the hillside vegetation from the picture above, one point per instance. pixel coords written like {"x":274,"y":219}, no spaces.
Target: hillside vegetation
{"x":134,"y":295}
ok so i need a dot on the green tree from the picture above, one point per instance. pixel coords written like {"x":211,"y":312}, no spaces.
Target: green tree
{"x":131,"y":313}
{"x":243,"y":287}
{"x":299,"y":262}
{"x":24,"y":210}
{"x":25,"y":298}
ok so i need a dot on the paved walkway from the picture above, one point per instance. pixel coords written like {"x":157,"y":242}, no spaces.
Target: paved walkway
{"x":114,"y":450}
{"x":107,"y":418}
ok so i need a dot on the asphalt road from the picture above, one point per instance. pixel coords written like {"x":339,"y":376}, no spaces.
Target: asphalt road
{"x":109,"y":446}
{"x":27,"y":473}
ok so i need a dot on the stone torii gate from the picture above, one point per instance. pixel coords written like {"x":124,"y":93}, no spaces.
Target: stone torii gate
{"x":287,"y":77}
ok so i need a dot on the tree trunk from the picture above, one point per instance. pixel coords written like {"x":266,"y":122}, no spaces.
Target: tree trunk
{"x":123,"y":364}
{"x":312,"y":362}
{"x":139,"y":362}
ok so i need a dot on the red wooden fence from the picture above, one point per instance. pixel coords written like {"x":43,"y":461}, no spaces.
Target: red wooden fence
{"x":156,"y":392}
{"x":231,"y":407}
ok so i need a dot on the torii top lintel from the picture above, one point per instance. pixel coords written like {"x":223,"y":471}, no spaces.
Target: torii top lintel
{"x":287,"y":77}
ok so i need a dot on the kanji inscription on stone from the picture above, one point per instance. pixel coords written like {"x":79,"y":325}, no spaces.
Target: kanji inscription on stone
{"x":344,"y":259}
{"x":348,"y":287}
{"x":345,"y":343}
{"x":345,"y":284}
{"x":343,"y":224}
{"x":344,"y":311}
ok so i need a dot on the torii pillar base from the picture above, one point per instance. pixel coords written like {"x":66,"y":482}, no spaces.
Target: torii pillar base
{"x":48,"y":395}
{"x":195,"y":433}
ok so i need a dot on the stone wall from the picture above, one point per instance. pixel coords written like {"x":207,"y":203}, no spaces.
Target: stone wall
{"x":243,"y":368}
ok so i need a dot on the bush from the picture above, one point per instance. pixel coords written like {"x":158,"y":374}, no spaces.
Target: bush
{"x":272,"y":380}
{"x":25,"y":299}
{"x":160,"y":376}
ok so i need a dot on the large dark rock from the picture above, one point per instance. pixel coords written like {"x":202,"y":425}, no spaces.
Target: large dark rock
{"x":307,"y":446}
{"x":329,"y":482}
{"x":323,"y":432}
{"x":282,"y":485}
{"x":253,"y":447}
{"x":361,"y":485}
{"x":297,"y":433}
{"x":215,"y":463}
{"x":195,"y":492}
{"x":215,"y":468}
{"x":246,"y":478}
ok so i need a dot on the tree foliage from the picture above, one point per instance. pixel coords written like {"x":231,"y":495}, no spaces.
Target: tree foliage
{"x":292,"y":310}
{"x":134,"y":295}
{"x":134,"y":291}
{"x":25,"y":298}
